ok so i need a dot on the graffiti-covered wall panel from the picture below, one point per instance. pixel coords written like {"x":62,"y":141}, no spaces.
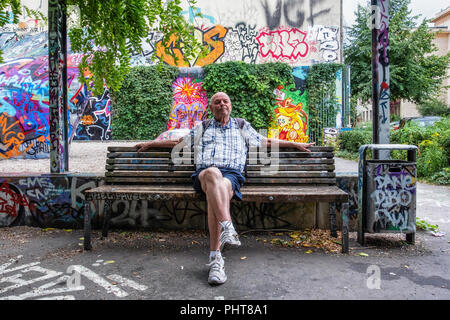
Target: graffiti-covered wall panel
{"x":57,"y":201}
{"x":24,"y":105}
{"x":301,"y":33}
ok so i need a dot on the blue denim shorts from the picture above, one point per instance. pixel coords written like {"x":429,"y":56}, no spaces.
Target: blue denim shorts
{"x":235,"y":176}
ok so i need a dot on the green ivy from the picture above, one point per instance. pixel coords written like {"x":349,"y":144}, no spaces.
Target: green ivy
{"x":321,"y":83}
{"x":140,"y":109}
{"x":249,"y":86}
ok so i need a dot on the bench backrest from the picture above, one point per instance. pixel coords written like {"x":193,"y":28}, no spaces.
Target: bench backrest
{"x":125,"y":166}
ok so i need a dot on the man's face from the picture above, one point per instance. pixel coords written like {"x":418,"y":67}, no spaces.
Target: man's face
{"x":220,"y":106}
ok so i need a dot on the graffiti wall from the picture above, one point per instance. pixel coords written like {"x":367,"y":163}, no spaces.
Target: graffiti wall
{"x":24,"y":104}
{"x":57,"y":201}
{"x":301,"y":33}
{"x":291,"y":109}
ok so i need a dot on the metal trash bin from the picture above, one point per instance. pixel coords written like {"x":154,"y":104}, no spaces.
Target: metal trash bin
{"x":387,"y":193}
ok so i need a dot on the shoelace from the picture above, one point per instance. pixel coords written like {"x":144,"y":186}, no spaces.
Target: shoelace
{"x":226,"y":234}
{"x":215,"y":265}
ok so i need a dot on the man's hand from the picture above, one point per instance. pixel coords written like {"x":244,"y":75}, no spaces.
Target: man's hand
{"x":304,"y":146}
{"x":143,"y":146}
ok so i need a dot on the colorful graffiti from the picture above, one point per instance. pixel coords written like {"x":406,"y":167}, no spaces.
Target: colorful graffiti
{"x":57,"y":201}
{"x":282,"y":44}
{"x":190,"y":103}
{"x":291,"y":122}
{"x":211,"y":38}
{"x":24,"y":101}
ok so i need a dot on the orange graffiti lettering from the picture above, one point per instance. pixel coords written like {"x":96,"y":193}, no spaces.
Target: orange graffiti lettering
{"x":87,"y":120}
{"x":213,"y":42}
{"x":216,"y":46}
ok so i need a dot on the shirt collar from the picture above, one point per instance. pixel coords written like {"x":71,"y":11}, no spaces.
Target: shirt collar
{"x":217,"y":124}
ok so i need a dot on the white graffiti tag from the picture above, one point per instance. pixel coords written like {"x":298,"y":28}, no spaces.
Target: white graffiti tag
{"x":61,"y":285}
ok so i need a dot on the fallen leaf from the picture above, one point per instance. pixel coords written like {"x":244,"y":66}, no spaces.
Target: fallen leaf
{"x":309,"y":251}
{"x":48,"y":229}
{"x":109,"y":262}
{"x":68,"y":230}
{"x":363,"y":254}
{"x":243,"y":258}
{"x":82,"y":238}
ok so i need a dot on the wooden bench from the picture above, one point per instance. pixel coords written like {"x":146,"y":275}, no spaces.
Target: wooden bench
{"x":153,"y":176}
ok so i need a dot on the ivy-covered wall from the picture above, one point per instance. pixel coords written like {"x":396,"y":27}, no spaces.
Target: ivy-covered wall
{"x":164,"y":102}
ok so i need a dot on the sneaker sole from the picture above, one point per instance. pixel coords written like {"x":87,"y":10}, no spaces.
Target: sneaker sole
{"x":216,"y":282}
{"x":226,"y":245}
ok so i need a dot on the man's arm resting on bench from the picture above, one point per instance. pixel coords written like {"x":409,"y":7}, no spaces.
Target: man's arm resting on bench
{"x":158,"y":144}
{"x":287,"y":144}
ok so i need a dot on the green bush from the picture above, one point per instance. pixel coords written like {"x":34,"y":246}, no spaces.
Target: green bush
{"x":249,"y":86}
{"x":350,"y":141}
{"x":140,"y":109}
{"x":433,"y":148}
{"x":434,"y":107}
{"x":442,"y":177}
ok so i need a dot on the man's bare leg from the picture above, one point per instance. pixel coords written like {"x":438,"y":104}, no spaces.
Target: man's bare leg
{"x":218,"y":192}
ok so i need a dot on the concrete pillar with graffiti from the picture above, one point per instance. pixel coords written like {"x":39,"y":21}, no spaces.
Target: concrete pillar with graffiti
{"x":57,"y":54}
{"x":380,"y":75}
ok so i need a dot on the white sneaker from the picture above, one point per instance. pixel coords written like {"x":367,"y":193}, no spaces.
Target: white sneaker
{"x":228,"y":237}
{"x":217,"y":271}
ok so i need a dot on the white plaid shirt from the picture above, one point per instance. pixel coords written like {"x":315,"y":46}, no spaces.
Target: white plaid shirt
{"x":222,"y":147}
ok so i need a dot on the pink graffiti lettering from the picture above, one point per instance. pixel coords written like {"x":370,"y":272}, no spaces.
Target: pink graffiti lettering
{"x":283,"y":43}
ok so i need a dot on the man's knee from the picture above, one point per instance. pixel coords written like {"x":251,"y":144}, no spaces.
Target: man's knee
{"x":210,"y":175}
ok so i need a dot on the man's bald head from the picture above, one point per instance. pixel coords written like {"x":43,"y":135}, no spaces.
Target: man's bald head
{"x":217,"y":95}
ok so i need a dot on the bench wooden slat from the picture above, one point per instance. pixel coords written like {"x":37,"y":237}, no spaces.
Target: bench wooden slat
{"x":293,"y":174}
{"x":300,"y":161}
{"x":249,"y":193}
{"x":132,"y":149}
{"x":295,"y":167}
{"x":141,"y":180}
{"x":139,"y":174}
{"x":148,"y":167}
{"x":250,"y":174}
{"x":284,"y":181}
{"x":255,"y":155}
{"x":251,"y":180}
{"x":166,"y":167}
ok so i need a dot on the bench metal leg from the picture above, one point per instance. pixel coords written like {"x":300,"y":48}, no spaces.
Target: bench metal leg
{"x":87,"y":226}
{"x":106,"y":217}
{"x":333,"y":231}
{"x":345,"y":227}
{"x":411,"y":238}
